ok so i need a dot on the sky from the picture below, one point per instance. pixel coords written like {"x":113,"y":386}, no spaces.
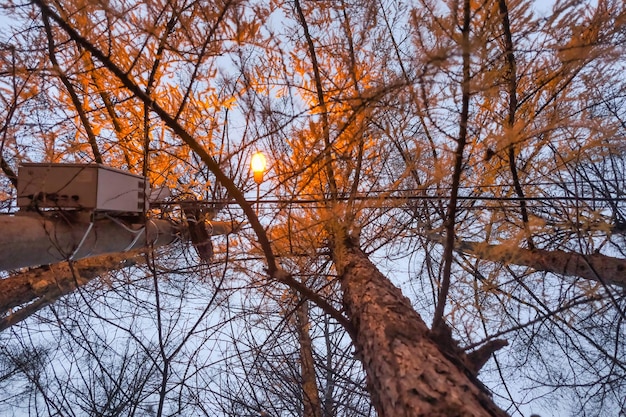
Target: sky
{"x":557,"y":410}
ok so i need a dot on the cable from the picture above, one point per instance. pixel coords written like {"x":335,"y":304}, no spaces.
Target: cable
{"x":80,"y":244}
{"x":136,"y":233}
{"x":410,"y":198}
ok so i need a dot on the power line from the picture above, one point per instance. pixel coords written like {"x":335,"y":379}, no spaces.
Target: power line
{"x":395,"y":198}
{"x":445,"y":198}
{"x":318,"y":200}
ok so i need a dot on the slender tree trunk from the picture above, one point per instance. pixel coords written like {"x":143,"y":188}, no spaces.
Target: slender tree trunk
{"x":310,"y":392}
{"x":40,"y":287}
{"x":457,"y":172}
{"x":596,"y":266}
{"x":329,"y":401}
{"x":55,"y":280}
{"x":408,"y":373}
{"x":509,"y":123}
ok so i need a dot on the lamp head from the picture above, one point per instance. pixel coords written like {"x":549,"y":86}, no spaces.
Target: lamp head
{"x":258,"y":163}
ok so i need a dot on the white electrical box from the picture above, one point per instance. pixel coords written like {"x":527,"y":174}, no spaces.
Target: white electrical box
{"x":91,"y":187}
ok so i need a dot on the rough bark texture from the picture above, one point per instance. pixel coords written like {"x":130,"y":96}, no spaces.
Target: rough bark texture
{"x":596,"y":267}
{"x":56,"y":280}
{"x":408,"y":372}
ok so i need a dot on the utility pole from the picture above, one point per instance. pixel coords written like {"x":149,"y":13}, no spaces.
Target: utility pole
{"x":77,"y":211}
{"x":95,"y":216}
{"x":33,"y":239}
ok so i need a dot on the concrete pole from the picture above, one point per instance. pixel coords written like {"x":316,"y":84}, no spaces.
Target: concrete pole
{"x":32,"y":239}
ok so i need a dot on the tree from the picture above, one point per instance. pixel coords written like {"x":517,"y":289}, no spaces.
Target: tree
{"x":429,"y":129}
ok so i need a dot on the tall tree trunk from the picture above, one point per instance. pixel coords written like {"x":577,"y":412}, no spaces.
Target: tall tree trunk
{"x":409,"y":374}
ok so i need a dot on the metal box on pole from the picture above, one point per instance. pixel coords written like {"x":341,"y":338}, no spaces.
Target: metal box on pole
{"x":90,"y":187}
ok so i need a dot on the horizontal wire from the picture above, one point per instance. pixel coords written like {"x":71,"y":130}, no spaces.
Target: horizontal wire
{"x":283,"y":201}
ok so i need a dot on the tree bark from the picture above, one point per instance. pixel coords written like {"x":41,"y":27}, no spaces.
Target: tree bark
{"x":408,"y":372}
{"x":56,"y":280}
{"x":596,"y":267}
{"x":311,"y":400}
{"x":40,"y":287}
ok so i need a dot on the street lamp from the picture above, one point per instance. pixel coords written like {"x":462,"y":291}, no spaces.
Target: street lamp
{"x":258,"y":163}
